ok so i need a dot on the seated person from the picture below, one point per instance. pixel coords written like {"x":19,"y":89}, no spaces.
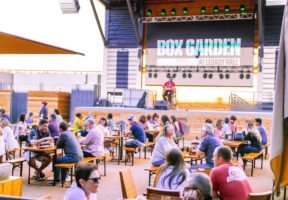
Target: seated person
{"x":2,"y":146}
{"x":138,"y":133}
{"x":72,"y":150}
{"x":218,"y":129}
{"x":53,"y":126}
{"x":94,"y":140}
{"x":198,"y":187}
{"x":87,"y":182}
{"x":253,"y":138}
{"x":262,"y":130}
{"x":172,"y":175}
{"x":168,"y":90}
{"x":178,"y":126}
{"x":163,"y":145}
{"x":228,"y":180}
{"x":37,"y":137}
{"x":78,"y":124}
{"x":207,"y":147}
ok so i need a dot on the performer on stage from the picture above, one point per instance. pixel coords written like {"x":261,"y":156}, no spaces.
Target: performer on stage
{"x":168,"y":90}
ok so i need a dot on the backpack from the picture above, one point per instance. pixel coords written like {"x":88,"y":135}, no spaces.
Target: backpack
{"x":181,"y":128}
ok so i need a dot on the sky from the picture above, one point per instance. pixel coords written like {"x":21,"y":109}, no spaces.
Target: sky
{"x":43,"y":21}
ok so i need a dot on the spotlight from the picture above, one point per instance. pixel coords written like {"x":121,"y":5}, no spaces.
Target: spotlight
{"x":241,"y":76}
{"x":242,"y":8}
{"x":163,"y":12}
{"x":174,"y":75}
{"x":184,"y":75}
{"x":203,"y":10}
{"x":227,"y":76}
{"x":168,"y":75}
{"x":150,"y":75}
{"x":205,"y":75}
{"x":216,"y":9}
{"x":149,"y":12}
{"x":210,"y":76}
{"x":226,"y":9}
{"x":189,"y":75}
{"x":221,"y":76}
{"x":173,"y":11}
{"x":155,"y":75}
{"x":185,"y":11}
{"x":248,"y":76}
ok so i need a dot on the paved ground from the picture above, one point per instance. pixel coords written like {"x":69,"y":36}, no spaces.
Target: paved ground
{"x":110,"y":188}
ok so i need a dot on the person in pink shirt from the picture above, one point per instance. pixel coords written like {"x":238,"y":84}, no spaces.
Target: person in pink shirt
{"x":218,"y":129}
{"x":229,"y":181}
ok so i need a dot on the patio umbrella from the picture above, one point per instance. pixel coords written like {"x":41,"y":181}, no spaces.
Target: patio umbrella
{"x":279,"y":152}
{"x":11,"y":44}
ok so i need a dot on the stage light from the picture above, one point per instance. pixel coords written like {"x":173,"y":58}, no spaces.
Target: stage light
{"x":184,"y":75}
{"x":241,"y":76}
{"x":163,"y":12}
{"x":227,"y":76}
{"x":203,"y":10}
{"x":221,"y":76}
{"x":210,"y":76}
{"x":185,"y":11}
{"x":226,"y":9}
{"x":189,"y":75}
{"x":173,"y":11}
{"x":168,"y":75}
{"x":248,"y":76}
{"x":216,"y":9}
{"x":155,"y":75}
{"x":174,"y":75}
{"x":150,"y":75}
{"x":242,"y":8}
{"x":205,"y":75}
{"x":149,"y":12}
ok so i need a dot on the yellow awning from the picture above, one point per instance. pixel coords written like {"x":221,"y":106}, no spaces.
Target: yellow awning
{"x":11,"y":44}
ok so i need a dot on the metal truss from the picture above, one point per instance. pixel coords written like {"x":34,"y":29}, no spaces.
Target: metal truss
{"x":218,"y":17}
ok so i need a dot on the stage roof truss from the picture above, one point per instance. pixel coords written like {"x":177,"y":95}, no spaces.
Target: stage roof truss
{"x":218,"y":17}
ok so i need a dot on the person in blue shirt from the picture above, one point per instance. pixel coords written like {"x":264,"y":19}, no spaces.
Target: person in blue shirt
{"x":138,"y":133}
{"x":44,"y":111}
{"x":30,"y":120}
{"x":207,"y":146}
{"x":262,"y":130}
{"x":4,"y":115}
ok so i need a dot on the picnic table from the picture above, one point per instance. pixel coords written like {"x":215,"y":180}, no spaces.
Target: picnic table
{"x":193,"y":157}
{"x":234,"y":145}
{"x":120,"y":145}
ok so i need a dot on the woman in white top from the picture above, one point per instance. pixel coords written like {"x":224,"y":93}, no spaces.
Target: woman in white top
{"x":87,"y":182}
{"x":172,"y":175}
{"x":9,"y":139}
{"x":2,"y":146}
{"x":164,"y":143}
{"x":20,"y":130}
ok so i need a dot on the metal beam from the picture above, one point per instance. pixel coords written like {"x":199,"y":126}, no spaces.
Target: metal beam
{"x":105,"y":3}
{"x":98,"y":23}
{"x":134,"y":24}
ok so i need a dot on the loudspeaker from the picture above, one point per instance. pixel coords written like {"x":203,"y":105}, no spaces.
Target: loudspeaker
{"x":161,"y":105}
{"x":142,"y":101}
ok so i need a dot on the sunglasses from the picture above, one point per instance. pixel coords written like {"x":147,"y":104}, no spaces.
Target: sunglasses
{"x":95,"y":180}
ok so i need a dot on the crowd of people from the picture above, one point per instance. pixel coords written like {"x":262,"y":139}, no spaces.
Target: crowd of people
{"x":225,"y":178}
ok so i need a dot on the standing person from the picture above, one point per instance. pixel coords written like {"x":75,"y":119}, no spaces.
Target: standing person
{"x":94,"y":140}
{"x":8,"y":135}
{"x":178,"y":126}
{"x":29,"y":120}
{"x":59,"y":118}
{"x":207,"y":146}
{"x":53,"y":126}
{"x":78,"y":123}
{"x":87,"y":182}
{"x":4,"y":115}
{"x":44,"y":111}
{"x":21,"y":127}
{"x":218,"y":129}
{"x":110,"y":122}
{"x":37,"y":137}
{"x":72,"y":150}
{"x":173,"y":174}
{"x":168,"y":90}
{"x":138,"y":133}
{"x":262,"y":130}
{"x":229,"y":181}
{"x":163,"y":145}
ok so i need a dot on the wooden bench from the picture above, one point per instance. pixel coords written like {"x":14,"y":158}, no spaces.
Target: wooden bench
{"x":17,"y":163}
{"x":146,"y":145}
{"x":251,"y":157}
{"x":265,"y":147}
{"x":152,"y":170}
{"x":131,"y":151}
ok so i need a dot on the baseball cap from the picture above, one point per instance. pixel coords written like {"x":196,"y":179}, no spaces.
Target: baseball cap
{"x":132,"y":118}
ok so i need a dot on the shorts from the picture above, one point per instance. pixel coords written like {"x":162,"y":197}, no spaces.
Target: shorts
{"x":38,"y":156}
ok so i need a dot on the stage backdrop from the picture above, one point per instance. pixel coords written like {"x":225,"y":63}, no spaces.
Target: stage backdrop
{"x":223,"y":45}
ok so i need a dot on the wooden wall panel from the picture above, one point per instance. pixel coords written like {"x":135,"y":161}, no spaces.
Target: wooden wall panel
{"x":5,"y":100}
{"x":60,"y":100}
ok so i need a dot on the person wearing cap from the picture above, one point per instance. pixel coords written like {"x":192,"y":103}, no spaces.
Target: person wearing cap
{"x":168,"y":90}
{"x":163,"y":145}
{"x":207,"y":146}
{"x":94,"y":140}
{"x":138,"y":133}
{"x":44,"y":111}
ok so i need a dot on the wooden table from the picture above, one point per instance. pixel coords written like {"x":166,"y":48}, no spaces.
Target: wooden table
{"x":193,"y":157}
{"x":234,"y":145}
{"x":154,"y":132}
{"x":46,"y":151}
{"x":120,"y":145}
{"x":11,"y":186}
